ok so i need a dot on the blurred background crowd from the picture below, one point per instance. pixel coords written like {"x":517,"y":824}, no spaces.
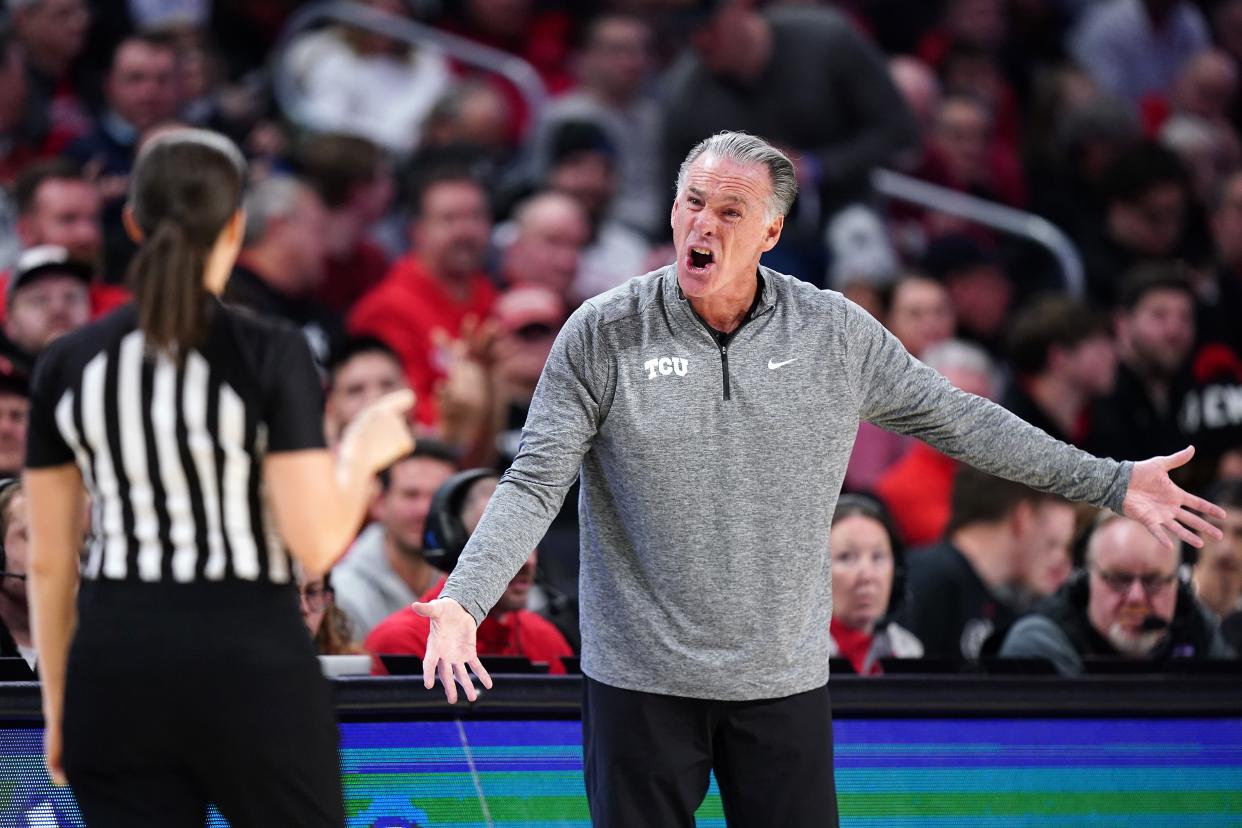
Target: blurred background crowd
{"x":1042,"y":199}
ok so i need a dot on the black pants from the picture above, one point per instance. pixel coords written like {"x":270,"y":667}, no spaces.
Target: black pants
{"x":647,"y":759}
{"x":180,"y":695}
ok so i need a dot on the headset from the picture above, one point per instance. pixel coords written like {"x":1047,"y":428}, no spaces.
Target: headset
{"x":445,"y":535}
{"x":6,"y":484}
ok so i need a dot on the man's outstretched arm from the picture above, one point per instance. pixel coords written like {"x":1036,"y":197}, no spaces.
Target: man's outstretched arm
{"x":569,"y":405}
{"x":897,"y":392}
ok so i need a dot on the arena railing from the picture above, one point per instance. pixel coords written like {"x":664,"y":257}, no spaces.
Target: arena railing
{"x":1036,"y":229}
{"x":292,"y":102}
{"x":913,"y":696}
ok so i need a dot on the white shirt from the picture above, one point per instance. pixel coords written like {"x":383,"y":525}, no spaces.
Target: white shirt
{"x":382,"y":98}
{"x":1123,"y":53}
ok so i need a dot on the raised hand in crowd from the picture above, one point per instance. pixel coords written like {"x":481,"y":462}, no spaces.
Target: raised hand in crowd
{"x":465,"y":397}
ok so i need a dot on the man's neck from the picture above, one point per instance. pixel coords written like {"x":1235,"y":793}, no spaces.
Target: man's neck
{"x":727,"y":312}
{"x":19,"y":345}
{"x":1211,"y":595}
{"x":15,"y":614}
{"x":1061,"y":400}
{"x":417,"y":574}
{"x":344,"y":230}
{"x":50,"y":67}
{"x":1155,"y":384}
{"x":989,"y":549}
{"x":269,"y":266}
{"x":456,"y":285}
{"x":610,"y":98}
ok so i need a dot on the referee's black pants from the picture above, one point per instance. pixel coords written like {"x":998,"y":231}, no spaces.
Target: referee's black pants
{"x":647,"y":759}
{"x":181,"y":695}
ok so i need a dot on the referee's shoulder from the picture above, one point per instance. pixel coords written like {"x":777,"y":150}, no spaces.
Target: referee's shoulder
{"x":251,"y":323}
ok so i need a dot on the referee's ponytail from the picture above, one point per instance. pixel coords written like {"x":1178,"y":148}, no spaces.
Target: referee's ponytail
{"x":185,"y":187}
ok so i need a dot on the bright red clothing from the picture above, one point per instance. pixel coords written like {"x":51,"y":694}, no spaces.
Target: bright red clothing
{"x":405,"y":308}
{"x":854,"y":645}
{"x":916,"y":491}
{"x":352,"y":276}
{"x":106,"y":298}
{"x":520,"y":633}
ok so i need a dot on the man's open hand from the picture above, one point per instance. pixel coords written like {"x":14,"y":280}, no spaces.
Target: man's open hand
{"x":1163,"y":507}
{"x":451,"y":649}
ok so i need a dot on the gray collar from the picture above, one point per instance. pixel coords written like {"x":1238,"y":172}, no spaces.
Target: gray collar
{"x":765,"y":301}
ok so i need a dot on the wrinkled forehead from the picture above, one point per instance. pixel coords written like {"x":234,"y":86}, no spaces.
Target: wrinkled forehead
{"x":66,"y":193}
{"x":1126,"y":547}
{"x":724,"y":178}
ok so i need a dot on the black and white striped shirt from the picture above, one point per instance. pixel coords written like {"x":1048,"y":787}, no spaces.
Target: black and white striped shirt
{"x":172,"y":456}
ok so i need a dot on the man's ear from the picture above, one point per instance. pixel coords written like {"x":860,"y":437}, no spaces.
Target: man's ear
{"x":237,"y":227}
{"x":375,"y":509}
{"x":1022,"y":516}
{"x":773,"y":234}
{"x":131,"y":225}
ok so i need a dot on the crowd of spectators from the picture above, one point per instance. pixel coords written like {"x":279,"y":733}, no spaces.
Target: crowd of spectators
{"x":428,"y":225}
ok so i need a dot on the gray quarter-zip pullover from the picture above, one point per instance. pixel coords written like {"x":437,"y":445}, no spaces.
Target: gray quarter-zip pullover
{"x":710,"y":474}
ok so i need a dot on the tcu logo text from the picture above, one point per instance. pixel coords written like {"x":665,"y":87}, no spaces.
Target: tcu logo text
{"x":666,"y":366}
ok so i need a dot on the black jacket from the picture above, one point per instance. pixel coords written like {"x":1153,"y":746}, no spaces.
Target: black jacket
{"x":1192,"y":634}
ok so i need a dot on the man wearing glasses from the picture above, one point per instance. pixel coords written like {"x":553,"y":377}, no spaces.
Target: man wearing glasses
{"x":1127,"y":603}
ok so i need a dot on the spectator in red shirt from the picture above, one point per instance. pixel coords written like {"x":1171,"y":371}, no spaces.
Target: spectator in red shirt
{"x":438,"y":285}
{"x":57,"y":205}
{"x":23,"y":139}
{"x":508,"y":630}
{"x":52,"y":34}
{"x":916,"y":488}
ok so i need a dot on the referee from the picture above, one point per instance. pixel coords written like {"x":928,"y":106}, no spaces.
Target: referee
{"x":185,"y":675}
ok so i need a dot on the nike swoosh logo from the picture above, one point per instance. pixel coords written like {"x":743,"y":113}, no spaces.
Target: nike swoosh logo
{"x":774,"y":365}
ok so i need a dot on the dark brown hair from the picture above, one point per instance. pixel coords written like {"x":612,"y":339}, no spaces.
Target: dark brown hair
{"x":1052,"y":320}
{"x":335,"y":634}
{"x":334,"y":165}
{"x":1149,"y":277}
{"x":978,"y":497}
{"x":26,"y":188}
{"x":186,"y":186}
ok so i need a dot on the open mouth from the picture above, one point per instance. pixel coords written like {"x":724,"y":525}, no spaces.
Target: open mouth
{"x":700,"y":259}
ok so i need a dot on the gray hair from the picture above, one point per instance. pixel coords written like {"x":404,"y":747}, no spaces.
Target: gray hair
{"x":272,"y":198}
{"x":956,"y":355}
{"x":1187,"y":134}
{"x":743,"y":148}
